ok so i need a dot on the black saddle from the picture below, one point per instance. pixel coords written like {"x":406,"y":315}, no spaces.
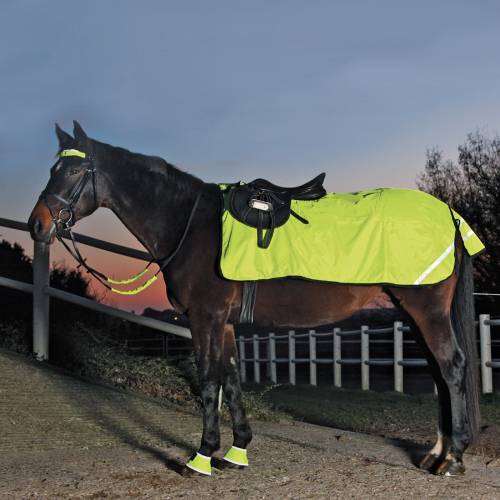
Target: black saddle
{"x":265,"y":206}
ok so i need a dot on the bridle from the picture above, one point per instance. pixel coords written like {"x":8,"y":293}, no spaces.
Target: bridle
{"x":68,"y":207}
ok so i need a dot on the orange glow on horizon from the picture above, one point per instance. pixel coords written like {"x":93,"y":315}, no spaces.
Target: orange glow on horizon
{"x":112,"y":265}
{"x":104,"y":225}
{"x":119,"y":268}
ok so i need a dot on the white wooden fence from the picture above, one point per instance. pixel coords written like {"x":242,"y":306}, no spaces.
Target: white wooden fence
{"x":362,"y":336}
{"x":487,"y":364}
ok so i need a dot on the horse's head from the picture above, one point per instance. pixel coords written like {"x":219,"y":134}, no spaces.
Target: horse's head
{"x":71,"y":192}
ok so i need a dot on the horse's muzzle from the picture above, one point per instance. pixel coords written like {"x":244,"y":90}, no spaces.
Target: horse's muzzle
{"x":41,"y":224}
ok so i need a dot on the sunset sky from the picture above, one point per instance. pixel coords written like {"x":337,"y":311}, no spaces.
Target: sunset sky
{"x":234,"y":90}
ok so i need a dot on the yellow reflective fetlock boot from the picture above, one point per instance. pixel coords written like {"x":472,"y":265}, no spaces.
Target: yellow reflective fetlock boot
{"x":237,"y":456}
{"x":200,"y":464}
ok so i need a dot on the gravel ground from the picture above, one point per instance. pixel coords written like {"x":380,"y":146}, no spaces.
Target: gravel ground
{"x":63,"y":438}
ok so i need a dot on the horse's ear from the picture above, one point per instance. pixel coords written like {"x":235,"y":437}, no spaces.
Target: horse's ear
{"x":79,"y":134}
{"x":62,"y":136}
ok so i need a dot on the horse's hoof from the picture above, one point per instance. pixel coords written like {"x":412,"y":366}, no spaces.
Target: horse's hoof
{"x":451,"y":467}
{"x":430,"y":462}
{"x":225,"y":465}
{"x":188,"y":472}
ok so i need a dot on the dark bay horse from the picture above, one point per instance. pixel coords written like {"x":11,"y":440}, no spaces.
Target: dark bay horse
{"x":175,"y":214}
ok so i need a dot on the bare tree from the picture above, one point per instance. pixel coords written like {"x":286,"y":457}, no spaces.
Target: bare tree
{"x":472,"y":188}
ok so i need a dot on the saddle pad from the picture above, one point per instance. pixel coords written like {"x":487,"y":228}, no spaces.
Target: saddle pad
{"x":381,"y":236}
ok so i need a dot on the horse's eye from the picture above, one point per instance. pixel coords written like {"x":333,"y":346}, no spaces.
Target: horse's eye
{"x":72,"y":171}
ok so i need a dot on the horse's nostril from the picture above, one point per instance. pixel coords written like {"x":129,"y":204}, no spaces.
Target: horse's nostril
{"x":38,"y":226}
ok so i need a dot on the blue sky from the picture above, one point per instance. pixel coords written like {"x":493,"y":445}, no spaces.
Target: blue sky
{"x":234,"y":90}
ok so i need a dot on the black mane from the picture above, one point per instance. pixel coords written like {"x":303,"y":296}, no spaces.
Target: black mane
{"x":150,"y":164}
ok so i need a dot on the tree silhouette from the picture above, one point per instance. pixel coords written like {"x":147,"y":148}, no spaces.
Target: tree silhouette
{"x":16,"y":265}
{"x":472,"y":188}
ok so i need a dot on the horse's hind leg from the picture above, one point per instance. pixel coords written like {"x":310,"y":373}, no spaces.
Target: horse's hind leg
{"x":236,"y":457}
{"x":430,"y":310}
{"x":438,"y":453}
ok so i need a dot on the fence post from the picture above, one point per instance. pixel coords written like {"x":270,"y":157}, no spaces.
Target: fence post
{"x":365,"y":356}
{"x":243,"y":365}
{"x":398,"y":356}
{"x":41,"y":279}
{"x":485,"y":342}
{"x":167,"y":345}
{"x":312,"y":358}
{"x":256,"y":364}
{"x":291,"y":357}
{"x":163,"y":345}
{"x":337,"y":356}
{"x":268,"y":356}
{"x":272,"y":358}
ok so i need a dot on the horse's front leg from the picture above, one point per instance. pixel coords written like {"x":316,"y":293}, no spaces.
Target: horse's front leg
{"x":208,"y":339}
{"x":236,"y":457}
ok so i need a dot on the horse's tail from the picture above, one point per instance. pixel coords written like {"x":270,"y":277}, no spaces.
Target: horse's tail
{"x":462,"y":318}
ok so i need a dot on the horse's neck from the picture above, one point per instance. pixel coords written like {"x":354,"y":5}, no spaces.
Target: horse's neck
{"x":153,"y":203}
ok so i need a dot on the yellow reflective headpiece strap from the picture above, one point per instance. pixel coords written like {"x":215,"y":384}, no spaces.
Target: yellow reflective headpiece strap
{"x":72,"y":152}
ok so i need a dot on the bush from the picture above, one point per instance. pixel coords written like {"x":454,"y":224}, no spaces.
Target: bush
{"x":15,"y":337}
{"x":90,"y":352}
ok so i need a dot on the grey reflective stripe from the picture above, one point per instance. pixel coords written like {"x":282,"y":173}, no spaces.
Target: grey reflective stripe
{"x":434,"y":264}
{"x":443,"y":256}
{"x":468,"y":235}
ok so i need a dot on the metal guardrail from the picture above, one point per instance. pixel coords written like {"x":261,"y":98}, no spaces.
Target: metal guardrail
{"x":42,"y":291}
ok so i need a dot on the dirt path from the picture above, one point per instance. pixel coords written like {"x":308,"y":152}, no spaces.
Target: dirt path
{"x":62,"y":438}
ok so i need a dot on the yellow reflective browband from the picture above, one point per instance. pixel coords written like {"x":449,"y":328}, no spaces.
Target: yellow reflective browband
{"x":72,"y":152}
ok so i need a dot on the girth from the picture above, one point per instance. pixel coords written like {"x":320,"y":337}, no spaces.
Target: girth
{"x":265,"y":206}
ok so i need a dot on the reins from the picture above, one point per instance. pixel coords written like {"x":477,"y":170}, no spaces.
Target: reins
{"x":68,"y":207}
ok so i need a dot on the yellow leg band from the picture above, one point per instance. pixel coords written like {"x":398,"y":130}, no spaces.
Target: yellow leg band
{"x":200,"y":464}
{"x":237,"y":456}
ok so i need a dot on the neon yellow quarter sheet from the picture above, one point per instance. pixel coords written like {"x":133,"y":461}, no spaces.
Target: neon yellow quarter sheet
{"x":381,"y":236}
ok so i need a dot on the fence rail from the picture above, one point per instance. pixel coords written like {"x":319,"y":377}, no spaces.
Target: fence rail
{"x":365,"y":361}
{"x":168,"y":346}
{"x":42,"y":292}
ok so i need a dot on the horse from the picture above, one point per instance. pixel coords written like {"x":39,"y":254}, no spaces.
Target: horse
{"x":177,"y":218}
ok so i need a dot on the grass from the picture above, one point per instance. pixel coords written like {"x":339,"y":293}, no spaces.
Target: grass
{"x":353,"y":410}
{"x":366,"y":411}
{"x":385,"y":414}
